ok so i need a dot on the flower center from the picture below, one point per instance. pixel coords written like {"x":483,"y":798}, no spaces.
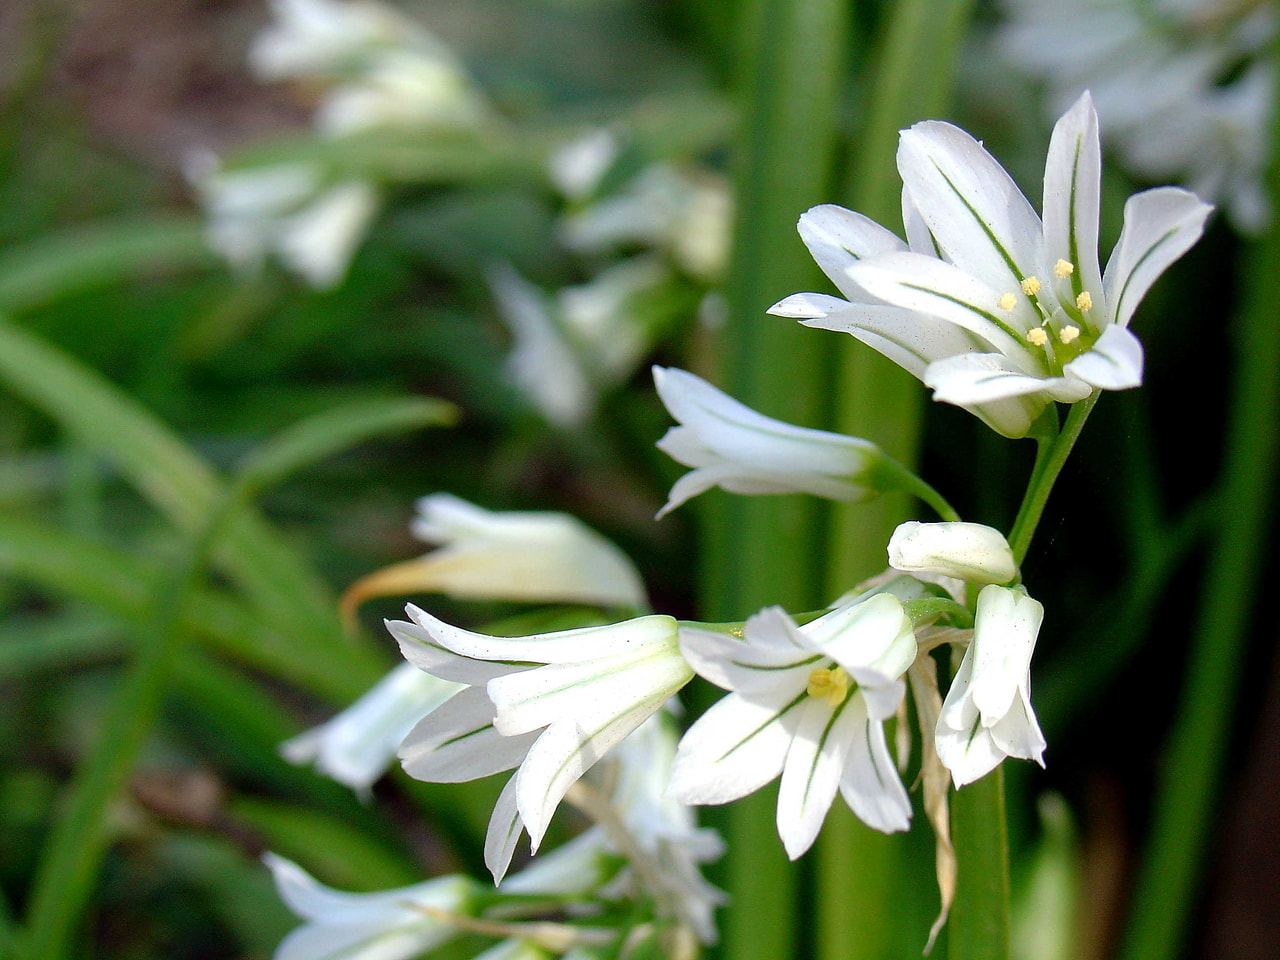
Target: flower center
{"x":829,"y":684}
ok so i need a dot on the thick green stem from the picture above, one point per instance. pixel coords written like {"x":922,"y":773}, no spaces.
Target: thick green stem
{"x":979,"y":925}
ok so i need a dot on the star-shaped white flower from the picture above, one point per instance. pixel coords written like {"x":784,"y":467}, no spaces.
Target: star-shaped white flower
{"x":995,"y":309}
{"x":731,"y":446}
{"x":550,"y":704}
{"x":808,"y":703}
{"x":987,"y":715}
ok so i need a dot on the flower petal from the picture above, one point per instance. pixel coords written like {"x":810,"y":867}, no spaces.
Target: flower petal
{"x":978,"y":379}
{"x":811,"y":774}
{"x":981,"y":221}
{"x":457,"y":742}
{"x":1005,"y":628}
{"x":749,"y":665}
{"x":1017,"y":734}
{"x":923,"y":284}
{"x":505,"y":827}
{"x":972,"y":552}
{"x":872,"y":633}
{"x":837,"y":237}
{"x":870,"y":784}
{"x":1160,"y":225}
{"x":1072,"y":188}
{"x":733,"y":749}
{"x":805,"y":306}
{"x":1114,"y":363}
{"x":419,"y":646}
{"x":911,"y":340}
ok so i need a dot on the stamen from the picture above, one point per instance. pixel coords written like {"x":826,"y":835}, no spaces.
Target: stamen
{"x":1069,"y":333}
{"x":1007,"y":301}
{"x":1031,"y":286}
{"x":1063,"y":269}
{"x":1037,"y":337}
{"x":1084,"y":301}
{"x":831,"y":685}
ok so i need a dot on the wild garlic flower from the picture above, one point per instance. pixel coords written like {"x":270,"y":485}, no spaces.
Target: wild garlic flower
{"x":570,"y":347}
{"x":1185,"y":89}
{"x":972,"y":552}
{"x":287,"y":210}
{"x":387,"y":925}
{"x":529,"y":556}
{"x":808,"y":703}
{"x":733,"y":447}
{"x":357,"y":746}
{"x":550,"y":704}
{"x":987,"y":714}
{"x":996,"y":310}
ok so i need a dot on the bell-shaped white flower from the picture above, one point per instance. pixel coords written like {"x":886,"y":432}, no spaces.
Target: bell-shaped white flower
{"x":314,"y":38}
{"x":808,"y":703}
{"x":987,"y":714}
{"x":533,"y":556}
{"x":387,"y":925}
{"x":356,"y":746}
{"x":996,"y":310}
{"x":731,"y":446}
{"x":550,"y":704}
{"x":972,"y":552}
{"x":286,"y":210}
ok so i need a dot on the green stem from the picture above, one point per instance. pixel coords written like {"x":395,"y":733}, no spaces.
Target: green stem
{"x":979,"y":925}
{"x":896,"y":476}
{"x":1050,"y":459}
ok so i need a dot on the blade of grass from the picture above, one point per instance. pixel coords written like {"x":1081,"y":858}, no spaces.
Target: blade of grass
{"x":71,"y":858}
{"x":911,"y":77}
{"x":90,"y":255}
{"x":1189,"y":777}
{"x":767,"y":550}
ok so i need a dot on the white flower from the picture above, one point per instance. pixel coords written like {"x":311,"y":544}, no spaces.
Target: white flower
{"x":578,"y":167}
{"x":1184,"y":88}
{"x":551,"y":704}
{"x":357,"y":745}
{"x":540,"y":557}
{"x":994,"y":309}
{"x":387,"y":925}
{"x":311,"y":38}
{"x":807,"y":703}
{"x":287,"y":210}
{"x":731,"y":446}
{"x":987,"y":715}
{"x":688,"y":214}
{"x":972,"y":552}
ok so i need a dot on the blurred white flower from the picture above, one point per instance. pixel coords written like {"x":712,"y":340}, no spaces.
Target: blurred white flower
{"x":731,"y":446}
{"x":578,"y":167}
{"x":317,"y":38}
{"x":539,"y":557}
{"x":387,"y":925}
{"x":808,"y":703}
{"x":357,"y":745}
{"x":996,"y":311}
{"x":550,"y":704}
{"x":972,"y":552}
{"x":1185,"y":89}
{"x":987,"y":715}
{"x":689,"y":215}
{"x":286,"y":210}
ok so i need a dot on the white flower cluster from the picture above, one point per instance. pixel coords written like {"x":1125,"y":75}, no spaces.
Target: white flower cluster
{"x":377,"y":70}
{"x":1185,"y":88}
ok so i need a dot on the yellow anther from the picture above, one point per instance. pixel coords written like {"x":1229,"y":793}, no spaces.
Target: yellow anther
{"x":1069,"y":333}
{"x":1007,"y":301}
{"x":1037,"y":337}
{"x":1031,"y":286}
{"x":1084,"y":301}
{"x":1063,"y":269}
{"x":830,"y":685}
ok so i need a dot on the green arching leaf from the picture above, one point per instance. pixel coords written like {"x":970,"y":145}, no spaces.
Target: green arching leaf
{"x":100,"y":253}
{"x":333,"y":431}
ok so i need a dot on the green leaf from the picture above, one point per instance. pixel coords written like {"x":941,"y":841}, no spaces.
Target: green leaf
{"x":333,"y":431}
{"x":90,"y":255}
